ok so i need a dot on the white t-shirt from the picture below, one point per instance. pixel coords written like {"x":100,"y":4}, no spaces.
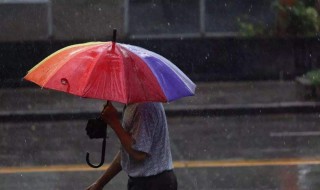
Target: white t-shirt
{"x":147,"y":124}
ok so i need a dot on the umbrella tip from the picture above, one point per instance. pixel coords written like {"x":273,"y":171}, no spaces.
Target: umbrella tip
{"x":114,"y":35}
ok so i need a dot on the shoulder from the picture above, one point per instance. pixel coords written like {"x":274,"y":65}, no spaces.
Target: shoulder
{"x":149,"y":107}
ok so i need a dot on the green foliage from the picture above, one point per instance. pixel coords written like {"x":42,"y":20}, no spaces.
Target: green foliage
{"x":248,"y":29}
{"x":300,"y":19}
{"x":313,"y":76}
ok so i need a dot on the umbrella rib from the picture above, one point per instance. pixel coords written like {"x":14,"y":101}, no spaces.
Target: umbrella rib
{"x":142,"y":86}
{"x":145,"y":92}
{"x":104,"y":84}
{"x":85,"y":90}
{"x":124,"y":72}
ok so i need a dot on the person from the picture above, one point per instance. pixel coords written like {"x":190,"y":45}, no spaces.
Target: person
{"x":145,"y":154}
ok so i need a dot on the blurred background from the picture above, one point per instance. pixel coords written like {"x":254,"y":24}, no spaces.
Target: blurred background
{"x":253,"y":124}
{"x":209,"y":40}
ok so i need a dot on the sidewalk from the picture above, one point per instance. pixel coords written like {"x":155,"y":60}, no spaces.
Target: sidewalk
{"x":214,"y":98}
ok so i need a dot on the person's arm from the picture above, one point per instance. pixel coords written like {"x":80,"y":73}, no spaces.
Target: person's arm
{"x":110,"y":116}
{"x":112,"y":171}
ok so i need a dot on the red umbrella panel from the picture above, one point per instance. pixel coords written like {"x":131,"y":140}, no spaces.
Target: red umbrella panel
{"x":112,"y":71}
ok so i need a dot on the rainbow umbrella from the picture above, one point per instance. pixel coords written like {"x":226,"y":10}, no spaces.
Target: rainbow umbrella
{"x":112,"y":71}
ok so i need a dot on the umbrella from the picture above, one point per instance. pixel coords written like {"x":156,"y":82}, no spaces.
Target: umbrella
{"x":114,"y":72}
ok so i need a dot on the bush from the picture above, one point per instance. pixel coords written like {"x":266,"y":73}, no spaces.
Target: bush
{"x":299,"y":19}
{"x":314,"y":77}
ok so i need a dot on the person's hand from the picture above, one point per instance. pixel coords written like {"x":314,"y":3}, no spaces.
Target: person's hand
{"x":109,"y":114}
{"x":94,"y":186}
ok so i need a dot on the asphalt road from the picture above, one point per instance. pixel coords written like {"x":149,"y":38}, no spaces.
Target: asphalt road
{"x":270,"y":151}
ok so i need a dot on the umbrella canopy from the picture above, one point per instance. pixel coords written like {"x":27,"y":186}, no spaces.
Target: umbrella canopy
{"x":112,"y":71}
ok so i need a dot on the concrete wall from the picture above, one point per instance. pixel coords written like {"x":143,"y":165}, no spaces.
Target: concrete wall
{"x":86,"y":20}
{"x":24,"y":20}
{"x":37,"y":20}
{"x":34,"y":20}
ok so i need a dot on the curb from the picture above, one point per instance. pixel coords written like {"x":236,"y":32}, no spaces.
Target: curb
{"x":178,"y":111}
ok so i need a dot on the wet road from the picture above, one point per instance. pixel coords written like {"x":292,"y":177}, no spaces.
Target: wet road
{"x":223,"y":152}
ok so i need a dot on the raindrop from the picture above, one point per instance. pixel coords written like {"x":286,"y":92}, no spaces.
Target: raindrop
{"x":196,"y":182}
{"x":250,"y":8}
{"x":281,"y":75}
{"x":225,"y":4}
{"x":33,"y":127}
{"x":310,"y":55}
{"x":100,"y":9}
{"x":64,"y":81}
{"x":207,"y":56}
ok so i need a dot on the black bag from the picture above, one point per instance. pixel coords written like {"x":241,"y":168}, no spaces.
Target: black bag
{"x":96,"y":128}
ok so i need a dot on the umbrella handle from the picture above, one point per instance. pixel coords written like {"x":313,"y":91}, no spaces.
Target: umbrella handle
{"x":102,"y":156}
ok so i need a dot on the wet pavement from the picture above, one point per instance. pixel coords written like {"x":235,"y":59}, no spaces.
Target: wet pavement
{"x":235,"y":151}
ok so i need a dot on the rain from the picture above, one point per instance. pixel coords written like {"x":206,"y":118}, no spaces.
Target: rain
{"x":252,"y":123}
